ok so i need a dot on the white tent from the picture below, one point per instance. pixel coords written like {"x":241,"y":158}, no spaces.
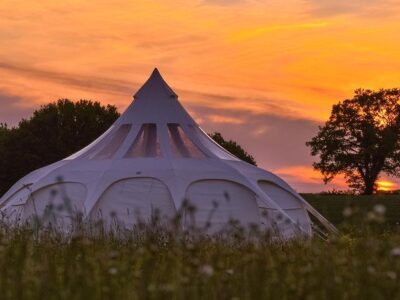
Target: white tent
{"x":151,"y":159}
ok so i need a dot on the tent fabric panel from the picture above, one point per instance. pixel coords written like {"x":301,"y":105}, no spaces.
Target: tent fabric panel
{"x":131,"y":200}
{"x":280,"y":196}
{"x":13,"y":206}
{"x":220,"y":201}
{"x":209,"y":144}
{"x":105,"y":146}
{"x":113,"y":144}
{"x":18,"y":198}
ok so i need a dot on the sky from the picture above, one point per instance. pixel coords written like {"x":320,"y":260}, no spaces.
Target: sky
{"x":262,"y":72}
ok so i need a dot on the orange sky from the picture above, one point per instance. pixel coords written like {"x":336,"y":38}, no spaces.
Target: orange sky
{"x":262,"y":72}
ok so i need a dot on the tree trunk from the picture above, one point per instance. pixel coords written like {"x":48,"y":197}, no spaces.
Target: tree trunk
{"x":369,"y":185}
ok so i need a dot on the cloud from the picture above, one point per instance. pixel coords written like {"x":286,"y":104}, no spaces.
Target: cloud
{"x":224,"y":2}
{"x":171,"y":43}
{"x":13,"y":108}
{"x":239,"y":107}
{"x":276,"y":141}
{"x":370,"y":8}
{"x":93,"y":83}
{"x":215,"y":118}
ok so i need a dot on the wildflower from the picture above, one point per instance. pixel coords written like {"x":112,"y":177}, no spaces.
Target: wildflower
{"x":112,"y":271}
{"x":347,"y":212}
{"x":379,"y":209}
{"x":207,"y":270}
{"x":371,"y":269}
{"x":392,"y":275}
{"x":395,"y":252}
{"x":113,"y":254}
{"x":229,"y":271}
{"x":371,"y":216}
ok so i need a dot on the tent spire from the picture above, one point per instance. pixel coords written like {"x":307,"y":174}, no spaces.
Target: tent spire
{"x":154,"y":83}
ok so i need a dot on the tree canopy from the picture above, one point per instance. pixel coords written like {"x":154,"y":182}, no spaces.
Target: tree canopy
{"x":361,"y":139}
{"x":233,"y":148}
{"x":54,"y":132}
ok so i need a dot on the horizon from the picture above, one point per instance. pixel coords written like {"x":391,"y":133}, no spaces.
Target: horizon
{"x":247,"y":69}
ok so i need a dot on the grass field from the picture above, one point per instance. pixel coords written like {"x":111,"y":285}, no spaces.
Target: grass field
{"x":362,"y":262}
{"x":332,"y":206}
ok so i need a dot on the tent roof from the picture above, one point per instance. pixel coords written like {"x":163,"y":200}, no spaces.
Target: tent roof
{"x":155,"y":102}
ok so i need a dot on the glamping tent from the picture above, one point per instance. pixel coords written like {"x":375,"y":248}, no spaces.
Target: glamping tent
{"x":155,"y":158}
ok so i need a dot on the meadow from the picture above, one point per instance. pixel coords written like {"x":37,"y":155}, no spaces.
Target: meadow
{"x":362,"y":262}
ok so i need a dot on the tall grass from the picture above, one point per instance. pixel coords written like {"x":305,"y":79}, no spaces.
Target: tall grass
{"x":362,"y":262}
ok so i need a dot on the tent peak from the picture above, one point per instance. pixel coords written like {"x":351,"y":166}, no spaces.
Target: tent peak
{"x":154,"y":83}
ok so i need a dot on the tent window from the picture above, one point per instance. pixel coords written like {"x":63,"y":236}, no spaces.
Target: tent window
{"x":112,"y":144}
{"x":181,"y":145}
{"x":146,"y":143}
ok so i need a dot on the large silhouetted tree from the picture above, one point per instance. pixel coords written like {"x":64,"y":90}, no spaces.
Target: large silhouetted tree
{"x":361,"y":139}
{"x":54,"y":132}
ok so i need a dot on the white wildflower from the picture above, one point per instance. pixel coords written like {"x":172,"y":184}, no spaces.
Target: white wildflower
{"x":347,"y":212}
{"x":113,"y":271}
{"x":380,"y":209}
{"x":392,"y":275}
{"x":371,"y":269}
{"x":229,"y":271}
{"x":207,"y":270}
{"x":395,"y":252}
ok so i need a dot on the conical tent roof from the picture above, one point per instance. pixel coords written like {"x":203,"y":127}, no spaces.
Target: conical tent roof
{"x":151,"y":159}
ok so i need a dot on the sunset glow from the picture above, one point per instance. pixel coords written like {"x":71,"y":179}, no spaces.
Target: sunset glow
{"x":264,"y":73}
{"x":386,"y":186}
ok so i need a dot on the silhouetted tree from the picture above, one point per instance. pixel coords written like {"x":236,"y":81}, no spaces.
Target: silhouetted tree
{"x":361,"y":139}
{"x":233,"y":148}
{"x":54,"y":132}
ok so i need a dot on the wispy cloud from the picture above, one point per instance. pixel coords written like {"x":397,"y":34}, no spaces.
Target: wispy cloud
{"x":86,"y":82}
{"x":223,"y":2}
{"x":366,"y":8}
{"x":13,"y":108}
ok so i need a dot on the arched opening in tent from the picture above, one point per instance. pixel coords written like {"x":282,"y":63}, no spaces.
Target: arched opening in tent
{"x":288,"y":202}
{"x":59,"y":204}
{"x":217,"y":202}
{"x":181,"y":145}
{"x":132,"y":200}
{"x":146,"y":143}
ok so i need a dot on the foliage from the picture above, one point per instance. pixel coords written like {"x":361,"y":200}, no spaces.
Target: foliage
{"x":54,"y":132}
{"x":361,"y":139}
{"x":233,"y":148}
{"x":159,"y":264}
